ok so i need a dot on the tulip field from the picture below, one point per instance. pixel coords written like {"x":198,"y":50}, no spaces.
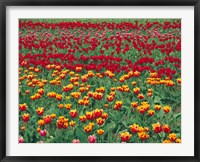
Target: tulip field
{"x":99,"y":81}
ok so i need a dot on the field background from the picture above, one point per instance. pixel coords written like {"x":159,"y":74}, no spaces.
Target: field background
{"x":115,"y":57}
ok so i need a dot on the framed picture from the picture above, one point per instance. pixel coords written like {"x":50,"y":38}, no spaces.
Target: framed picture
{"x":99,"y":80}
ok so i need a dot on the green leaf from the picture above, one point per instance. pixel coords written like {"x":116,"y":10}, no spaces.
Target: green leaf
{"x":157,"y":99}
{"x":178,"y":115}
{"x":79,"y":134}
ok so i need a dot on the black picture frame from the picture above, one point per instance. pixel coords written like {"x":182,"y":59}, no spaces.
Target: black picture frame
{"x":5,"y":3}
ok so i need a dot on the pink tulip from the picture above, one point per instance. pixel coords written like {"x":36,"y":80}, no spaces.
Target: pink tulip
{"x":40,"y":142}
{"x":92,"y":139}
{"x":21,"y":140}
{"x":76,"y":141}
{"x":43,"y":132}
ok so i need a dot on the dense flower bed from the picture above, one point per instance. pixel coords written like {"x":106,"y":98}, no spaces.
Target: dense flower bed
{"x":103,"y":81}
